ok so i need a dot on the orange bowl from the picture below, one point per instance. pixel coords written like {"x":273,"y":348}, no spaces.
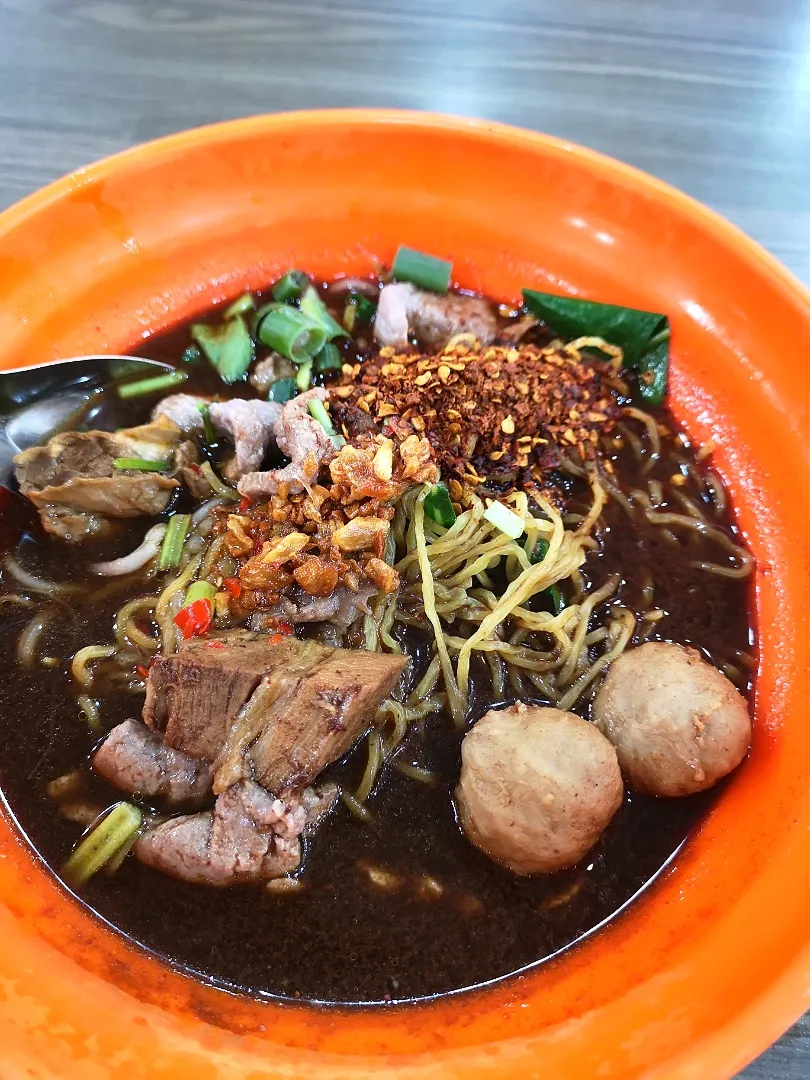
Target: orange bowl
{"x":713,"y":962}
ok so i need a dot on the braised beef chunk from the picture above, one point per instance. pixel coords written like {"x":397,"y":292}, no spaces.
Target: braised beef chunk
{"x":333,"y":704}
{"x":279,"y":713}
{"x":249,"y":836}
{"x":75,"y":486}
{"x":135,"y":759}
{"x":194,"y":696}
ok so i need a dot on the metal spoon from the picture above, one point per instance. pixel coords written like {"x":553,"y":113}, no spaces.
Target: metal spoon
{"x":38,"y":401}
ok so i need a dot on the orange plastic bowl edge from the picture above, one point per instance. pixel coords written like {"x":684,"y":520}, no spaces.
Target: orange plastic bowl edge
{"x":713,"y":963}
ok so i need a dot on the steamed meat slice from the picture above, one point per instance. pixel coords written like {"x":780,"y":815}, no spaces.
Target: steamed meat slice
{"x":250,"y":425}
{"x":249,"y":836}
{"x":136,"y":760}
{"x":405,"y":311}
{"x":303,"y":440}
{"x":74,"y":485}
{"x":279,"y":713}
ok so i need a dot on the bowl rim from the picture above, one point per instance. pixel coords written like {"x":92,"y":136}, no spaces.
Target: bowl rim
{"x":604,"y":164}
{"x":749,"y":1032}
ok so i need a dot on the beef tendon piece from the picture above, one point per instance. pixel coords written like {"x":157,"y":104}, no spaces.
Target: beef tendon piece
{"x":278,"y":712}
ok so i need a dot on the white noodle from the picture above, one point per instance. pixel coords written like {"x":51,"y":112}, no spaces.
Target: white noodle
{"x":128,"y":564}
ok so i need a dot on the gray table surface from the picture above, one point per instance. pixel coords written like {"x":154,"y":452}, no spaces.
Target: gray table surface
{"x":711,"y":95}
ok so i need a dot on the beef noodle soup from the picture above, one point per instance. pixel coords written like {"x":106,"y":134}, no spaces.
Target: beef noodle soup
{"x":386,"y":646}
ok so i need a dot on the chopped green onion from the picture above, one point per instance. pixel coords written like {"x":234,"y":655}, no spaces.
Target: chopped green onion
{"x":315,"y":310}
{"x":540,"y":551}
{"x":328,"y":359}
{"x":173,"y":539}
{"x":282,"y":390}
{"x":152,"y":385}
{"x":191,"y":355}
{"x":289,"y":332}
{"x":317,"y":411}
{"x":219,"y":487}
{"x":228,"y":347}
{"x":102,"y":843}
{"x":199,"y":590}
{"x":359,"y":309}
{"x":303,"y":380}
{"x":555,"y":599}
{"x":366,"y":309}
{"x":138,"y":464}
{"x":423,"y":270}
{"x":241,"y":306}
{"x":290,"y":286}
{"x":552,"y":595}
{"x":113,"y":865}
{"x":439,"y":507}
{"x":504,"y":519}
{"x":208,"y":428}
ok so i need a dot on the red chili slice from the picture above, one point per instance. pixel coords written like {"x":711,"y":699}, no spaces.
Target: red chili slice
{"x":233,"y":585}
{"x":195,"y":619}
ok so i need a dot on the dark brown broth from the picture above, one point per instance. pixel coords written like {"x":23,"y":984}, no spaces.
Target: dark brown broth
{"x":342,"y":939}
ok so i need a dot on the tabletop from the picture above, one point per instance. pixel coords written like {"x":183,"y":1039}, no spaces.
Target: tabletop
{"x":711,"y":95}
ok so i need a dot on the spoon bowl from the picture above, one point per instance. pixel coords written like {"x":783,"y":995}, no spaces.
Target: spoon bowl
{"x":39,"y":401}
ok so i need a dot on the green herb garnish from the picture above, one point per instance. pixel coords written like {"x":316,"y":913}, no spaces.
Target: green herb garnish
{"x":643,"y":336}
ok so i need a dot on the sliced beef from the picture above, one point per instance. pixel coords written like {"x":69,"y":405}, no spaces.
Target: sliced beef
{"x":183,"y":410}
{"x":341,"y":608}
{"x":250,"y":425}
{"x":405,"y":311}
{"x":278,"y":713}
{"x":318,"y":802}
{"x":250,"y":836}
{"x":137,"y":760}
{"x":187,"y":467}
{"x":76,"y":489}
{"x":75,"y":526}
{"x":303,"y":440}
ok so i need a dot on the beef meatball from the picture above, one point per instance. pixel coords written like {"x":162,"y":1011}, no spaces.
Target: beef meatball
{"x":677,"y":723}
{"x":537,"y":787}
